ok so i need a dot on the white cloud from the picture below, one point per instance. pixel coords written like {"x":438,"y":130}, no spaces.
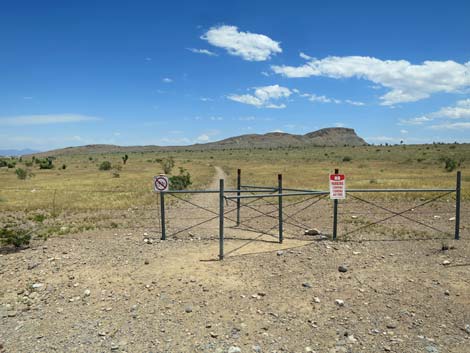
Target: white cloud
{"x":263,"y":96}
{"x":461,"y":110}
{"x":46,"y":119}
{"x":203,"y":138}
{"x":206,"y":99}
{"x":174,"y":141}
{"x":202,"y":51}
{"x":246,"y":118}
{"x":451,"y":126}
{"x":356,"y":103}
{"x":321,"y":99}
{"x":249,"y":46}
{"x":216,"y":118}
{"x":324,"y":99}
{"x":167,"y":80}
{"x":403,"y":131}
{"x":407,"y":82}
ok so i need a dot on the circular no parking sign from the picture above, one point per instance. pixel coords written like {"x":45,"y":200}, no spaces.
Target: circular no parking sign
{"x":160,"y":183}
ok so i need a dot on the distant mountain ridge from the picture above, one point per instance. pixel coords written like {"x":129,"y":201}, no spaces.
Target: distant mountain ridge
{"x":333,"y":136}
{"x":8,"y":153}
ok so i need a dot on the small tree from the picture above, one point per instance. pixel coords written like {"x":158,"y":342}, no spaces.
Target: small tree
{"x":181,"y":181}
{"x":167,"y":164}
{"x":105,"y":165}
{"x":125,"y":158}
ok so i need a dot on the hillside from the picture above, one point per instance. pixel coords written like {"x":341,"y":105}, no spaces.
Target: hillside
{"x":335,"y":136}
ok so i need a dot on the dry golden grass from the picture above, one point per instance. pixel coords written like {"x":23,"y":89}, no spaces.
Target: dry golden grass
{"x":81,"y":186}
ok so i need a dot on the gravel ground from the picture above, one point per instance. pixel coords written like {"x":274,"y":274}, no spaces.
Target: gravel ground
{"x":126,"y":291}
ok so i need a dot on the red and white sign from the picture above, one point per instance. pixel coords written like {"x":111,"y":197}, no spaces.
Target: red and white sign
{"x":337,"y":186}
{"x":160,"y":183}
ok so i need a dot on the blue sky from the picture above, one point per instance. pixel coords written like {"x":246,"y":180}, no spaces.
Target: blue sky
{"x":175,"y":73}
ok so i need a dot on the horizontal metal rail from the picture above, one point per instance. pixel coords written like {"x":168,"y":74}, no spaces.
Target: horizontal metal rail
{"x":208,"y":191}
{"x":400,"y":190}
{"x":259,"y":187}
{"x":278,"y":195}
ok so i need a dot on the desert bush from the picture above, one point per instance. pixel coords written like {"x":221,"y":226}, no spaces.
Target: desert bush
{"x":105,"y":165}
{"x":45,"y":163}
{"x":347,"y":159}
{"x":3,"y":163}
{"x":181,"y":181}
{"x":28,"y":163}
{"x":450,"y":164}
{"x":14,"y":236}
{"x":23,"y":174}
{"x":64,"y":166}
{"x":167,"y":164}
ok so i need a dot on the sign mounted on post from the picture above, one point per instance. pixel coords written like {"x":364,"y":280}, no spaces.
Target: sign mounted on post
{"x":337,"y":186}
{"x":160,"y":183}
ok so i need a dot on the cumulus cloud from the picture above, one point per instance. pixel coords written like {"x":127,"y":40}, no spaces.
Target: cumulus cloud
{"x":249,"y":46}
{"x":202,"y":51}
{"x":262,"y":96}
{"x":406,"y":82}
{"x":461,"y":110}
{"x":23,"y":120}
{"x":167,"y":80}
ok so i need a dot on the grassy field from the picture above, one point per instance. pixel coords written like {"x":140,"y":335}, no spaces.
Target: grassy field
{"x":83,"y":186}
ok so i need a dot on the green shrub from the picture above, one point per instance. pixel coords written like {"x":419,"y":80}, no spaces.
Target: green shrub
{"x":3,"y":163}
{"x":181,"y":181}
{"x":105,"y":165}
{"x":14,"y":236}
{"x":450,"y":164}
{"x":167,"y":164}
{"x":23,"y":174}
{"x":347,"y":159}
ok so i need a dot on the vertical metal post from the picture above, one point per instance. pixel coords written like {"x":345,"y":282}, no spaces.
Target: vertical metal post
{"x":279,"y":190}
{"x":53,"y":203}
{"x":335,"y":214}
{"x":221,"y":220}
{"x":162,"y":214}
{"x":457,"y":206}
{"x":239,"y":184}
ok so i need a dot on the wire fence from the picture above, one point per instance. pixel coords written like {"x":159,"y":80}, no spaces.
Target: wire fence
{"x":277,"y":212}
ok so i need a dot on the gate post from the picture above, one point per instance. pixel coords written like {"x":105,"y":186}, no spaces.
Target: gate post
{"x":335,"y":214}
{"x":457,"y":206}
{"x":162,"y":214}
{"x":239,"y":184}
{"x":221,"y":220}
{"x":279,"y":190}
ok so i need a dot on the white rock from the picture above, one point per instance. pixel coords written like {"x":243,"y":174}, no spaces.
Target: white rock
{"x":37,"y":285}
{"x":446,"y":262}
{"x":452,"y":219}
{"x":234,"y":349}
{"x":316,"y":299}
{"x":312,"y":232}
{"x":87,"y":292}
{"x":339,"y":302}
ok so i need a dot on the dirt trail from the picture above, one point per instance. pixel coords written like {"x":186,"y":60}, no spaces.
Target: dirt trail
{"x":239,"y":241}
